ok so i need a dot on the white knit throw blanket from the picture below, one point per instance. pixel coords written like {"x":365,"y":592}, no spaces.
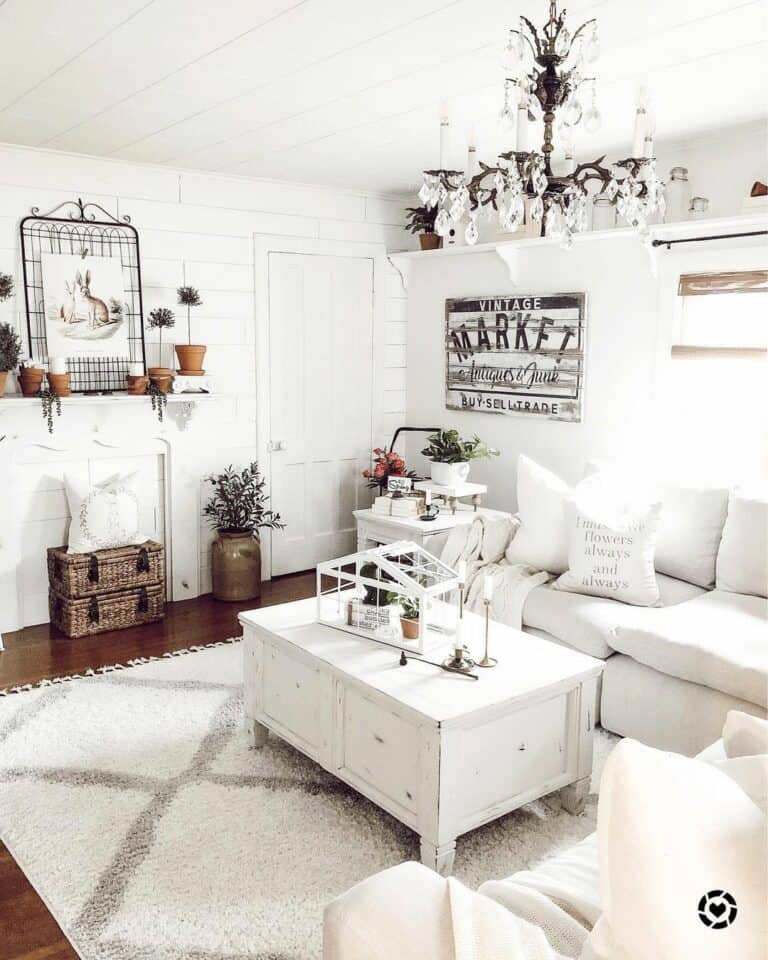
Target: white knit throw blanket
{"x":482,"y":546}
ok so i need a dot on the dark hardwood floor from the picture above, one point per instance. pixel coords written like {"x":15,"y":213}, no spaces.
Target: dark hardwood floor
{"x":27,"y":929}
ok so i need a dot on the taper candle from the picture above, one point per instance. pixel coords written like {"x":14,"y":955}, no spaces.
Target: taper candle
{"x":641,"y":120}
{"x":461,"y":571}
{"x":487,"y":588}
{"x":428,"y":498}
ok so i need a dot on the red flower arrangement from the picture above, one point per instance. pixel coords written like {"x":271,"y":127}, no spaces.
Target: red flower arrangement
{"x":386,"y":465}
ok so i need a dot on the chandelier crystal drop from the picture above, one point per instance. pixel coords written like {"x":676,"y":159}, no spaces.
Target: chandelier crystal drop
{"x":545,"y":79}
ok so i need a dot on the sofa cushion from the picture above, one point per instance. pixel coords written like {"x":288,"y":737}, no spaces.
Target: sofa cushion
{"x":718,"y":639}
{"x":657,"y":905}
{"x":744,"y":735}
{"x":690,"y":525}
{"x":542,"y":539}
{"x":585,"y":623}
{"x":742,"y":562}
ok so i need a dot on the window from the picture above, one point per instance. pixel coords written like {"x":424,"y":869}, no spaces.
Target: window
{"x":716,"y":401}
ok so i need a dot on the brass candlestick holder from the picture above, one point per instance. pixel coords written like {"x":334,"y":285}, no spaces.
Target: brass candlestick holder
{"x":459,"y":661}
{"x":487,"y":661}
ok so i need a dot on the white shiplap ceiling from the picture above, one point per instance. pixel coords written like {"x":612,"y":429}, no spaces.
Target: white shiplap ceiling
{"x":347,"y":92}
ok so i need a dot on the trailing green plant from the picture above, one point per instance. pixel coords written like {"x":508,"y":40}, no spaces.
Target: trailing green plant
{"x":421,"y":219}
{"x":161,"y":318}
{"x":51,"y":401}
{"x":10,"y":347}
{"x":158,"y":398}
{"x":447,"y":446}
{"x":189,"y":297}
{"x":239,"y":502}
{"x":7,"y":284}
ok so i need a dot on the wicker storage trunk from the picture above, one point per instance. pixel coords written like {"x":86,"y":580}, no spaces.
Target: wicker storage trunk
{"x":106,"y":590}
{"x":105,"y":571}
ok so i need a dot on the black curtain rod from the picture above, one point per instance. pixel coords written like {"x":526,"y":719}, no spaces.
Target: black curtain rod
{"x":719,"y":236}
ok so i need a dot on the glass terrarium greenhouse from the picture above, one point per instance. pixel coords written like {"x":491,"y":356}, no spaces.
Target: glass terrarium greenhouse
{"x":397,"y":594}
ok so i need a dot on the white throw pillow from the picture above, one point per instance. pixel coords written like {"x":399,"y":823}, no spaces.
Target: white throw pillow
{"x":744,"y":735}
{"x":742,"y":561}
{"x":610,"y":546}
{"x":105,"y":515}
{"x":675,"y":836}
{"x":542,"y":538}
{"x":690,"y":526}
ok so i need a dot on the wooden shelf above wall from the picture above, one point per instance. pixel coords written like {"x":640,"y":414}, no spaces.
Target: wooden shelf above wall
{"x":508,"y":249}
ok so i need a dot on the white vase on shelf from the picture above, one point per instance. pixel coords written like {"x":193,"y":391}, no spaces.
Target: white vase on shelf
{"x":678,"y":195}
{"x":449,"y":474}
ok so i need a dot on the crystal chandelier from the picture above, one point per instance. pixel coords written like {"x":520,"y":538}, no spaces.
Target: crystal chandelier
{"x":548,"y":84}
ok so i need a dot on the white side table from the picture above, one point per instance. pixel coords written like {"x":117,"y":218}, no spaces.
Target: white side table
{"x":452,"y":493}
{"x":373,"y":529}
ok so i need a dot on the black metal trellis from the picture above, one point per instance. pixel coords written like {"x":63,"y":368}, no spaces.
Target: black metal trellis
{"x":83,"y":232}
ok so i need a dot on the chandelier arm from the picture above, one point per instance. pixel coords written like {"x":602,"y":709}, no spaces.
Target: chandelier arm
{"x":592,"y":170}
{"x":525,"y":37}
{"x":583,"y":27}
{"x":534,"y":34}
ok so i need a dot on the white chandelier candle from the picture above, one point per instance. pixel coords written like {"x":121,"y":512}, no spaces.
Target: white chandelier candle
{"x":546,"y":80}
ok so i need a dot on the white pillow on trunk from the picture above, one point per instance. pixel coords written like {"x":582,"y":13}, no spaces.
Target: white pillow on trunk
{"x":742,"y":561}
{"x":611,"y":545}
{"x":542,"y":538}
{"x":104,"y":515}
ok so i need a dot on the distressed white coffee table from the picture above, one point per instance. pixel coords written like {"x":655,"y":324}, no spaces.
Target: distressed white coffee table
{"x":441,"y":753}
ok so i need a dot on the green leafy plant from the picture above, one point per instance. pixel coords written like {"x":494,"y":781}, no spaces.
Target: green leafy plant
{"x":161,"y":318}
{"x":409,"y":606}
{"x":421,"y":219}
{"x":239,"y":502}
{"x":189,"y":297}
{"x":159,"y":400}
{"x":10,"y":347}
{"x":6,"y":287}
{"x":50,"y":401}
{"x":447,"y":446}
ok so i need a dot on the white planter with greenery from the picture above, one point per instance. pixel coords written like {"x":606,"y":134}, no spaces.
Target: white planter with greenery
{"x":451,"y":456}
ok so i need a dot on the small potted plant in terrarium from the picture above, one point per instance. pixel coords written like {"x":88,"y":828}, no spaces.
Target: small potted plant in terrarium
{"x":237,"y":510}
{"x":408,"y":608}
{"x":421,"y":220}
{"x":451,"y":456}
{"x":161,"y":319}
{"x":190,"y":355}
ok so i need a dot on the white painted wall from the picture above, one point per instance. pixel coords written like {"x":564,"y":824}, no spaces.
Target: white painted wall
{"x":196,"y":229}
{"x":629,"y":320}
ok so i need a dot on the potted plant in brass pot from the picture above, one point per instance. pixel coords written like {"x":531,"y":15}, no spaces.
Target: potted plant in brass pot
{"x":452,"y":455}
{"x":161,"y":319}
{"x":421,"y":220}
{"x":191,"y":355}
{"x":237,"y":510}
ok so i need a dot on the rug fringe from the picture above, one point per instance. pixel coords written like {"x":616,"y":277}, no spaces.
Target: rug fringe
{"x":111,"y":668}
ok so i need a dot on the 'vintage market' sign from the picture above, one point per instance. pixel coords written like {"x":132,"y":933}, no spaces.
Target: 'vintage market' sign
{"x":516,"y":355}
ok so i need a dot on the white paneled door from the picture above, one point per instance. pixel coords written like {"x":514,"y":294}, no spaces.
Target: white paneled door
{"x":321,"y":363}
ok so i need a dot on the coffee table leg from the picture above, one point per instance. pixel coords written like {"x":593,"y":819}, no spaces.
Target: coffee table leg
{"x":574,"y":796}
{"x":440,"y":859}
{"x":257,"y":732}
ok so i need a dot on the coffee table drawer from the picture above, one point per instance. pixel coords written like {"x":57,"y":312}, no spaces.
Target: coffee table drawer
{"x":380,"y":749}
{"x":296,"y":701}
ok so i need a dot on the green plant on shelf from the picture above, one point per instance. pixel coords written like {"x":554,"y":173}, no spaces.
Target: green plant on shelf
{"x":10,"y":347}
{"x":50,"y":401}
{"x":447,"y":446}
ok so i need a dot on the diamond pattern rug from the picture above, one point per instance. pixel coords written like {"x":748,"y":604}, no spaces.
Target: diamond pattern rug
{"x":152,"y":832}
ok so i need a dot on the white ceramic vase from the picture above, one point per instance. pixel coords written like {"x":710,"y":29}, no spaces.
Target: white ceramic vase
{"x":449,"y":474}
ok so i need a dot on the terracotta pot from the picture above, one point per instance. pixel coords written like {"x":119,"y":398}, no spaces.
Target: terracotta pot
{"x":236,"y":565}
{"x":3,"y":379}
{"x":410,"y":628}
{"x":430,"y":241}
{"x":59,"y":384}
{"x":137,"y":386}
{"x":162,"y":377}
{"x":30,"y":380}
{"x":191,"y":358}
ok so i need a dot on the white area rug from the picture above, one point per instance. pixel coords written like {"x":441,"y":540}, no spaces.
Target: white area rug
{"x":133,"y":804}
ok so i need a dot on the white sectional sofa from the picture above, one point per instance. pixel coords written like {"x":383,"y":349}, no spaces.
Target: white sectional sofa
{"x":674,"y":670}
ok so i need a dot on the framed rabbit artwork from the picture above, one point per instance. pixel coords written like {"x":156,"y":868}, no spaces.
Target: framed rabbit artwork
{"x":85,"y":309}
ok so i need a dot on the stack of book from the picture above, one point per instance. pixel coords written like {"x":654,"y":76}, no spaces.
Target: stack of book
{"x":407,"y":507}
{"x":382,"y":506}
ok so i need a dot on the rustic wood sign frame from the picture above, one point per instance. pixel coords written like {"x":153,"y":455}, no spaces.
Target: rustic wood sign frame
{"x":519,"y":355}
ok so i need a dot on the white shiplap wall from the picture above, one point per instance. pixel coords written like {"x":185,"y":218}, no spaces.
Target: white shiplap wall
{"x":194,"y":228}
